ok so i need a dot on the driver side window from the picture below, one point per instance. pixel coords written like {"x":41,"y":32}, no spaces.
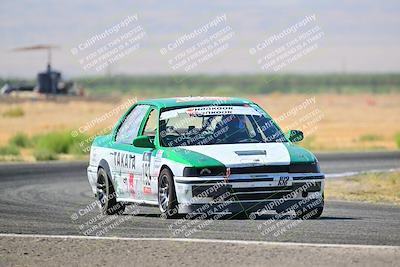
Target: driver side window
{"x":130,"y":126}
{"x":151,"y":125}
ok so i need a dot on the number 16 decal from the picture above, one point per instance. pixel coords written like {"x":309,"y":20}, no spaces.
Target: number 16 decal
{"x":146,"y":172}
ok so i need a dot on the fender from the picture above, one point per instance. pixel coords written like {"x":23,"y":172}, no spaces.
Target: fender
{"x":104,"y":164}
{"x":165,"y":166}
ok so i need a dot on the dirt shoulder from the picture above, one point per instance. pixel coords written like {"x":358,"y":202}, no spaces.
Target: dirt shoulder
{"x":372,"y":187}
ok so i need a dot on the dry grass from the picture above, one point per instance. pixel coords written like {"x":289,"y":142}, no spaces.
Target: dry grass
{"x":374,"y":187}
{"x":342,"y":122}
{"x":339,"y":122}
{"x":14,"y":112}
{"x":47,"y":116}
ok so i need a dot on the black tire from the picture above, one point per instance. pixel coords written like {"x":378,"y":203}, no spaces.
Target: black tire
{"x":311,"y":214}
{"x":243,"y":215}
{"x":106,"y":195}
{"x":167,"y":201}
{"x":281,"y":211}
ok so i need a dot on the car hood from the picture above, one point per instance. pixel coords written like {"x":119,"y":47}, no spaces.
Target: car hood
{"x":240,"y":155}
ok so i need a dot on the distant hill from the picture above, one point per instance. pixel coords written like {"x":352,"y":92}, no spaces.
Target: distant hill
{"x":167,"y":85}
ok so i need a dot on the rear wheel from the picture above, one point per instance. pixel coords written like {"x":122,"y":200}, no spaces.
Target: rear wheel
{"x":311,"y":214}
{"x":106,"y":195}
{"x":167,"y":201}
{"x":314,"y":212}
{"x":243,"y":215}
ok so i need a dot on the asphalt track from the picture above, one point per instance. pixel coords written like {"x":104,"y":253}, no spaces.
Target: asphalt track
{"x":42,"y":198}
{"x":55,"y":199}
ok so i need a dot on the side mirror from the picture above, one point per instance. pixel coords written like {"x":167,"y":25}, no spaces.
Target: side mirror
{"x":143,"y":141}
{"x":295,"y":136}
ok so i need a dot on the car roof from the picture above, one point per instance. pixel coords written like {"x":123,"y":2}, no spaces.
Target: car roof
{"x":194,"y":101}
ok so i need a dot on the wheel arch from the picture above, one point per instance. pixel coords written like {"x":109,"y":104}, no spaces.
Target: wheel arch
{"x":172,"y":190}
{"x":165,"y":166}
{"x":104,"y":165}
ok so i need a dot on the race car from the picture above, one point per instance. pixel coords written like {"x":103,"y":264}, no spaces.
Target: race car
{"x":204,"y":155}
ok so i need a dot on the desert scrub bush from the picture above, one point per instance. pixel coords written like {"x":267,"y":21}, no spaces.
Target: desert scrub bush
{"x":20,"y":140}
{"x":42,"y":154}
{"x":59,"y":143}
{"x":9,"y":150}
{"x":397,"y":139}
{"x":14,"y":112}
{"x":370,"y":138}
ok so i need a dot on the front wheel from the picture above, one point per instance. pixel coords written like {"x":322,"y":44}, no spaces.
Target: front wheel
{"x":167,"y":201}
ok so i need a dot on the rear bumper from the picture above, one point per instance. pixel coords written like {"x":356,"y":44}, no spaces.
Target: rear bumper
{"x":250,"y":193}
{"x":92,"y":177}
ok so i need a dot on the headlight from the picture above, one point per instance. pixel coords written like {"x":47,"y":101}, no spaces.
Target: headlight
{"x":304,"y":168}
{"x":204,"y":171}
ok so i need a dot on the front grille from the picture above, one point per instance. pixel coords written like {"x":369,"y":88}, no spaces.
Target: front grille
{"x":253,"y":193}
{"x":292,"y":168}
{"x":259,"y":196}
{"x":311,"y":188}
{"x":216,"y":171}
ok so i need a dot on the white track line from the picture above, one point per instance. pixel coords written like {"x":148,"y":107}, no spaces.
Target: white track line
{"x":239,"y":242}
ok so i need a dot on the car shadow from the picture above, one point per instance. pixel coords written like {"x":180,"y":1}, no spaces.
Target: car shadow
{"x":150,"y":215}
{"x":231,"y":217}
{"x":333,"y":218}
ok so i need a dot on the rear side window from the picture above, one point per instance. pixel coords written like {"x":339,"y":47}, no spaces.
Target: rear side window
{"x":130,"y":127}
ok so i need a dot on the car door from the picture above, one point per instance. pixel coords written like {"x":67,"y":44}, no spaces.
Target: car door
{"x":126,"y":161}
{"x":149,"y":181}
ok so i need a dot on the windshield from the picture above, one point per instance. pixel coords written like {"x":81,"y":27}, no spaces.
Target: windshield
{"x":192,"y":126}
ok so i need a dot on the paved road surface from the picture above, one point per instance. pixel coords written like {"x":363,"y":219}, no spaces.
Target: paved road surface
{"x":55,"y":199}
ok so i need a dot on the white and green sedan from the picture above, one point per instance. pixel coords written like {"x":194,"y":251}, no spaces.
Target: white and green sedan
{"x":204,"y":155}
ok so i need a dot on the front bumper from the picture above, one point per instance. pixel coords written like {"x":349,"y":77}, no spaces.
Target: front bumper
{"x":248,"y":192}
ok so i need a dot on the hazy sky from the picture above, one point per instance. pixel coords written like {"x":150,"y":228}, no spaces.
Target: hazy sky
{"x":357,"y":36}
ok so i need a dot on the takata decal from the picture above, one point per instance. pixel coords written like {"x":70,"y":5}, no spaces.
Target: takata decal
{"x":124,"y":160}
